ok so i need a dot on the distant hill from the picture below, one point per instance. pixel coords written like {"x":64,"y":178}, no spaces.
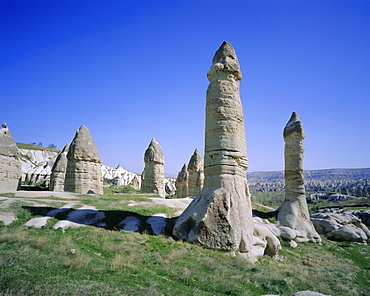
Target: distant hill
{"x":310,"y":175}
{"x":355,"y":182}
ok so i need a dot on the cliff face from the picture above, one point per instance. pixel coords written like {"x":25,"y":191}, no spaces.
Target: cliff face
{"x":36,"y":166}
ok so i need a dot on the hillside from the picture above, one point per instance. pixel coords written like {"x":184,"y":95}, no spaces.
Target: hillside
{"x":311,"y":175}
{"x":354,"y":182}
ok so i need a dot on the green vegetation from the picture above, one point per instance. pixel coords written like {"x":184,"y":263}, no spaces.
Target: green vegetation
{"x":35,"y":147}
{"x":350,"y":204}
{"x":96,"y":261}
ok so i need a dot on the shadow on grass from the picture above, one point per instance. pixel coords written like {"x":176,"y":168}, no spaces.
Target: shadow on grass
{"x":111,"y":220}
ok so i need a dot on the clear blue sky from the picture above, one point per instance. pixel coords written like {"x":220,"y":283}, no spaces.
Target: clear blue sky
{"x":134,"y":70}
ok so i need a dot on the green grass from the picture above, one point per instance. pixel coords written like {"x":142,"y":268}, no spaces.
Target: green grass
{"x":96,"y":261}
{"x":35,"y":147}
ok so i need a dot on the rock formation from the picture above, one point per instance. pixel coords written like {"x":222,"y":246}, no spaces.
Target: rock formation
{"x":58,"y":172}
{"x":153,"y":174}
{"x":37,"y":166}
{"x":293,"y":213}
{"x":10,"y":165}
{"x":196,"y":173}
{"x":182,"y":182}
{"x":341,"y":226}
{"x":118,"y":176}
{"x":221,"y":215}
{"x":83,"y":174}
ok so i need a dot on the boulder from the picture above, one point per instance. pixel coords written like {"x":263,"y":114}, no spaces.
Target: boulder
{"x":341,"y":226}
{"x":10,"y":165}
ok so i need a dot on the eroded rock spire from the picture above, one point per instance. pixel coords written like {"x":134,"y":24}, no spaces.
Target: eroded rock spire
{"x":221,"y":215}
{"x":182,"y":182}
{"x":58,"y":171}
{"x":153,"y":174}
{"x":83,"y":173}
{"x":10,"y":164}
{"x":293,"y":212}
{"x":196,"y":173}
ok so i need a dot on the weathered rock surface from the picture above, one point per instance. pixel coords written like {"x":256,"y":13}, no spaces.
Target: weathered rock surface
{"x":120,"y":177}
{"x":10,"y":165}
{"x":293,"y":213}
{"x":58,"y":172}
{"x":182,"y":182}
{"x":308,"y":293}
{"x":83,"y":174}
{"x":196,"y":173}
{"x":341,"y":226}
{"x":170,"y":186}
{"x":37,"y":166}
{"x":153,"y":174}
{"x":221,"y":215}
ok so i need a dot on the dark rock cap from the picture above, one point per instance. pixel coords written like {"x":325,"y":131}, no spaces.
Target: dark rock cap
{"x":154,"y":153}
{"x":294,"y":125}
{"x":83,"y":147}
{"x":226,"y":55}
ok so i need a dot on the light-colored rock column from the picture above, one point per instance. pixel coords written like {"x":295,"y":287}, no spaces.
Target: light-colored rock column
{"x":182,"y":182}
{"x":10,"y":164}
{"x":153,"y":175}
{"x":221,"y":215}
{"x":196,"y":173}
{"x":58,"y":172}
{"x":83,"y":174}
{"x":293,"y":212}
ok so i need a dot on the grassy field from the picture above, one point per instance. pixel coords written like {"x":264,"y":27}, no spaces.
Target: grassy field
{"x":96,"y":261}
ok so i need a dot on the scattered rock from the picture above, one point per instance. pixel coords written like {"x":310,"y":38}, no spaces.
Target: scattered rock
{"x":287,"y":233}
{"x":130,"y":223}
{"x":308,"y":293}
{"x":157,"y":222}
{"x":343,"y":226}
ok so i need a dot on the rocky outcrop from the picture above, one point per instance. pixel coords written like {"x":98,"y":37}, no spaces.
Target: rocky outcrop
{"x":182,"y":182}
{"x":170,"y":186}
{"x":10,"y":165}
{"x":58,"y":172}
{"x":83,"y":174}
{"x":37,"y":166}
{"x":341,"y":226}
{"x":196,"y":173}
{"x":293,"y":213}
{"x":153,"y":174}
{"x":120,"y":177}
{"x":220,"y":217}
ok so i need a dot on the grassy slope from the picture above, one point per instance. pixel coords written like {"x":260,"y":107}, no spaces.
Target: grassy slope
{"x":35,"y":147}
{"x":94,"y":261}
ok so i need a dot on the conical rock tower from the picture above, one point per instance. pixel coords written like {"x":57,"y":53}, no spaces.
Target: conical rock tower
{"x":293,"y":212}
{"x":221,"y":215}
